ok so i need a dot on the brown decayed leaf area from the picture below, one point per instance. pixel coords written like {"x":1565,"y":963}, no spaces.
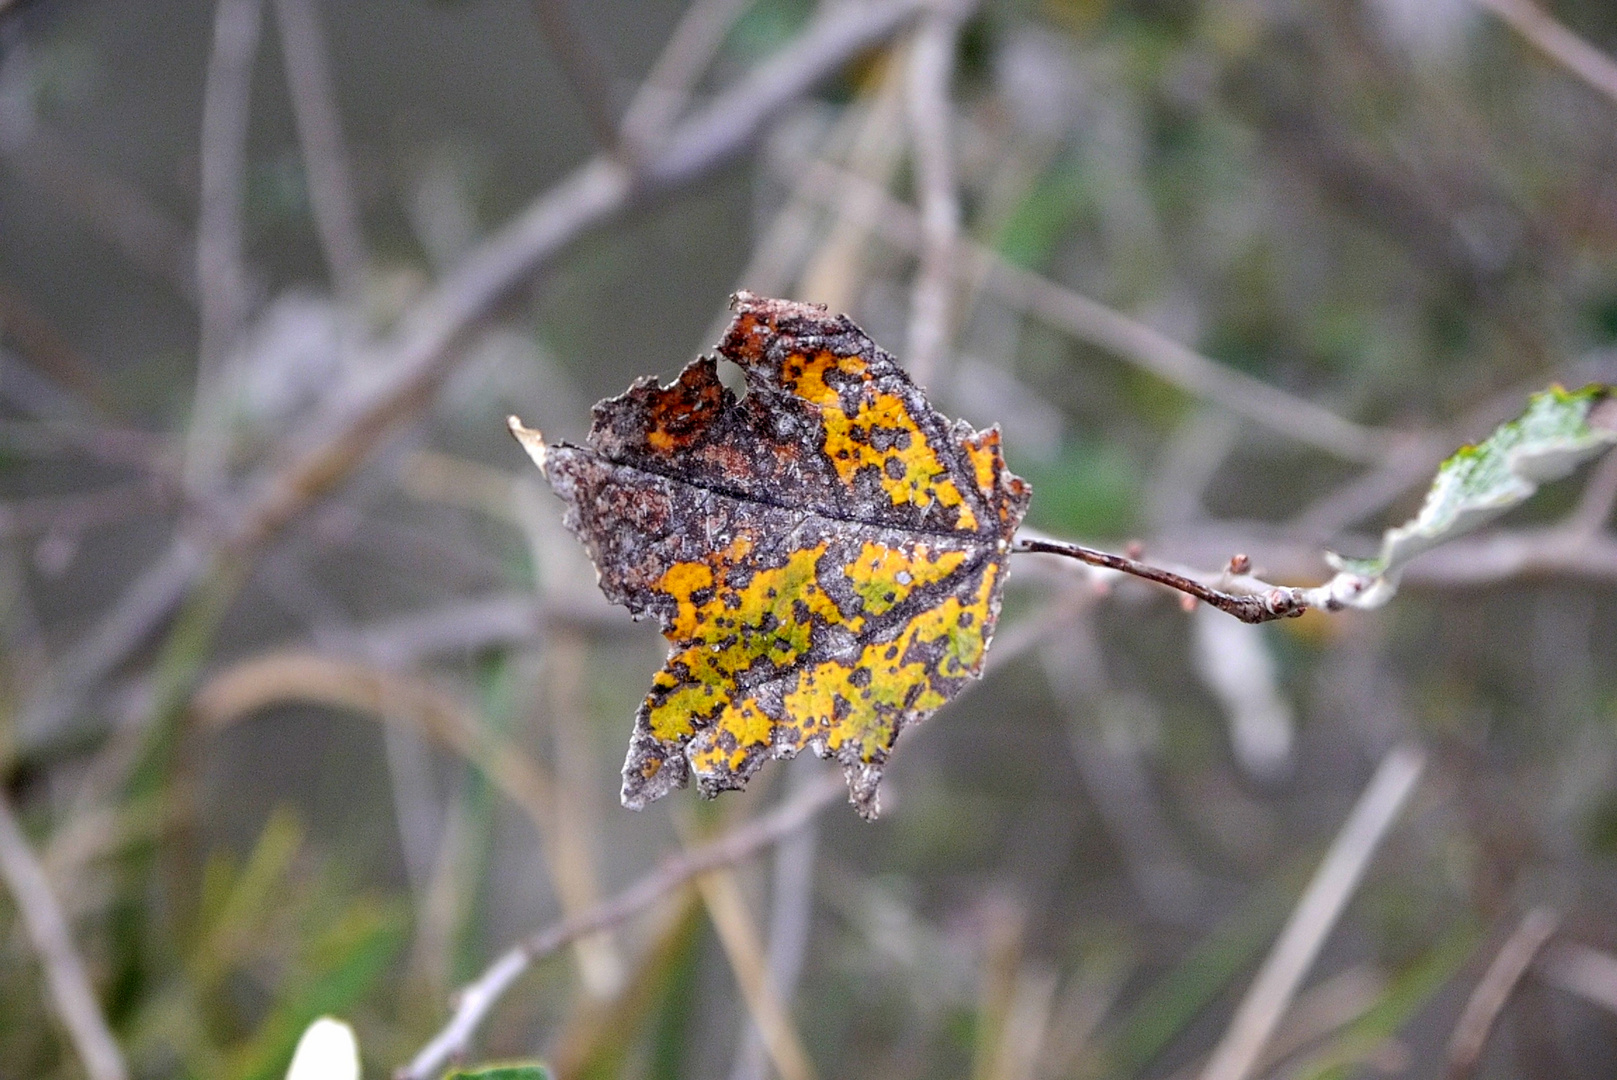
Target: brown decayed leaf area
{"x":826,"y":555}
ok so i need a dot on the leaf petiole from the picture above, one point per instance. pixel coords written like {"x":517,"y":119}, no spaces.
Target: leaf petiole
{"x":1272,"y":602}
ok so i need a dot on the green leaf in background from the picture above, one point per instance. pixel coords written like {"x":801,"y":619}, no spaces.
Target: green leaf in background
{"x":1560,"y":430}
{"x":513,"y":1071}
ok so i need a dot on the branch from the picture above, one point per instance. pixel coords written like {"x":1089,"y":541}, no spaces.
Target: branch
{"x":1101,"y":326}
{"x":48,"y":932}
{"x":666,"y":90}
{"x":221,"y":274}
{"x":1558,"y":43}
{"x":1258,"y":602}
{"x":584,"y":68}
{"x":423,"y":351}
{"x":118,"y":211}
{"x":931,"y":71}
{"x":74,"y":513}
{"x":325,"y":161}
{"x":1589,"y":973}
{"x":477,"y":998}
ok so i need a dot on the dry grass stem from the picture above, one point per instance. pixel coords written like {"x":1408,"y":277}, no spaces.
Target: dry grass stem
{"x":1495,"y":988}
{"x":222,"y":276}
{"x":1315,"y":916}
{"x":739,"y":843}
{"x":584,"y":66}
{"x":47,"y":930}
{"x":1578,"y":969}
{"x":1558,"y":43}
{"x":745,"y":952}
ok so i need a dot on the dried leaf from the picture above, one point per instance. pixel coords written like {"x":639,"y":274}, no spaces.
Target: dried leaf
{"x":826,"y":555}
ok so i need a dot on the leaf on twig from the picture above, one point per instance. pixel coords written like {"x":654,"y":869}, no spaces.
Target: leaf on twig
{"x":1560,"y":430}
{"x":826,"y":555}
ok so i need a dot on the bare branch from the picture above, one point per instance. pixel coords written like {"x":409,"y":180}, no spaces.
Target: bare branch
{"x":931,"y":71}
{"x":1106,"y":328}
{"x":221,"y":272}
{"x":733,"y":122}
{"x":476,"y":999}
{"x":122,"y":214}
{"x":1494,"y":990}
{"x":325,"y":159}
{"x":410,"y":366}
{"x":1315,"y":915}
{"x":48,"y":932}
{"x":583,"y":67}
{"x":83,"y":510}
{"x":666,"y":90}
{"x":1558,"y":43}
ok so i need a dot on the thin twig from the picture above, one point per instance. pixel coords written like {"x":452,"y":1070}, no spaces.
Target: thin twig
{"x":1093,"y":322}
{"x":144,"y":605}
{"x":1272,"y":602}
{"x":1599,"y":496}
{"x":325,"y":158}
{"x":1494,"y":990}
{"x":118,"y":211}
{"x":221,"y":271}
{"x":834,"y":270}
{"x":666,"y":91}
{"x":476,"y":999}
{"x":1315,"y":916}
{"x":422,"y":352}
{"x":1558,"y":43}
{"x":931,"y":71}
{"x":1114,"y":775}
{"x":48,"y":932}
{"x":583,"y":67}
{"x":74,"y":513}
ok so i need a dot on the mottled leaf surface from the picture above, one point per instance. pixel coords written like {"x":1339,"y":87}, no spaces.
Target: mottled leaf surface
{"x":826,"y":555}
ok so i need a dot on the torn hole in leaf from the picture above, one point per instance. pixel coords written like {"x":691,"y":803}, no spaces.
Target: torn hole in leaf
{"x":732,"y":378}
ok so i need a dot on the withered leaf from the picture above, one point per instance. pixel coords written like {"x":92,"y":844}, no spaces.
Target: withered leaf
{"x":826,"y":555}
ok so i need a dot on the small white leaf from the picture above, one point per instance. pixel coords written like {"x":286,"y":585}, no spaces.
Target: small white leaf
{"x":327,"y":1051}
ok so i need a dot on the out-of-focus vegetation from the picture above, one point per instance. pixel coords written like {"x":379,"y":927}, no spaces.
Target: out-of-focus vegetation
{"x":337,"y":763}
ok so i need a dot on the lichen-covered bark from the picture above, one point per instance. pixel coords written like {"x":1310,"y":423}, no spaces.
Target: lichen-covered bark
{"x":826,"y":555}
